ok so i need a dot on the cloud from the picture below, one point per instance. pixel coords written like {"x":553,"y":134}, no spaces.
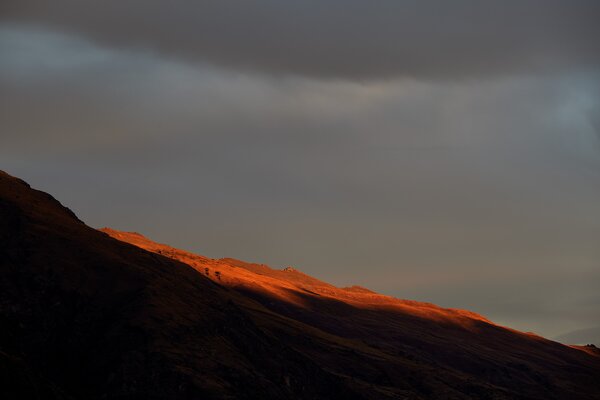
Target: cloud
{"x":347,"y":39}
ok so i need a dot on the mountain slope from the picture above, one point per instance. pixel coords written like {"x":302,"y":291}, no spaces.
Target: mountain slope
{"x":84,"y":315}
{"x":462,"y":344}
{"x":99,"y":318}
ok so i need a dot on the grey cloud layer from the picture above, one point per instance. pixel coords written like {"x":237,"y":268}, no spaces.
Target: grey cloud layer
{"x":442,"y":191}
{"x":342,"y":38}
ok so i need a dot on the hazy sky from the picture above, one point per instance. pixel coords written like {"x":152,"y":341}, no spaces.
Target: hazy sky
{"x":432,"y":150}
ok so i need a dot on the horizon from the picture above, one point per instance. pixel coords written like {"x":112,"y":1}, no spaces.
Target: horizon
{"x":449,"y":159}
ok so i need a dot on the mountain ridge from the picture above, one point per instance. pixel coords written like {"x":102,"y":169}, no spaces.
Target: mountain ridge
{"x":86,"y":316}
{"x":302,"y":281}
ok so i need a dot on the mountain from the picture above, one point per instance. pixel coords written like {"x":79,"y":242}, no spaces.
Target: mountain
{"x":88,"y":314}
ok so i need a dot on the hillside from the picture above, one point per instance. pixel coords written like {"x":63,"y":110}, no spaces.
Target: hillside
{"x":86,"y":314}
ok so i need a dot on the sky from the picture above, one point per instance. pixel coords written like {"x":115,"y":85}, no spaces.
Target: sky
{"x":439,"y":151}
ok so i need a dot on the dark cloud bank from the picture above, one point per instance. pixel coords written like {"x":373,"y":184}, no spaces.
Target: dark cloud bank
{"x":441,"y":151}
{"x":348,"y":39}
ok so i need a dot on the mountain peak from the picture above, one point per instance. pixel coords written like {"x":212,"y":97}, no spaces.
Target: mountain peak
{"x":359,"y":289}
{"x":18,"y":194}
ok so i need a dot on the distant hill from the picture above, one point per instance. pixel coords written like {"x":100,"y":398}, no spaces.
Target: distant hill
{"x":86,"y":314}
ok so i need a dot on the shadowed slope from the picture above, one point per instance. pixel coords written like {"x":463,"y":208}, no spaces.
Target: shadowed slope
{"x":99,"y":318}
{"x":457,"y":342}
{"x":85,"y":316}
